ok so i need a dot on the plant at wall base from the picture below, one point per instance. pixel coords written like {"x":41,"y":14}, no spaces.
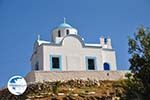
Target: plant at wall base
{"x":55,"y":87}
{"x":139,"y":49}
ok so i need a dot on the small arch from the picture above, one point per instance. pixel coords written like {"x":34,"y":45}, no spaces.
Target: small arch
{"x":105,"y":40}
{"x":59,"y":33}
{"x":106,"y":66}
{"x":37,"y":66}
{"x":67,"y":32}
{"x":75,"y":36}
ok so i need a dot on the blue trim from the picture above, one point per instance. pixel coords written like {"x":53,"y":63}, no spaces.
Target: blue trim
{"x":60,"y":63}
{"x":86,"y":62}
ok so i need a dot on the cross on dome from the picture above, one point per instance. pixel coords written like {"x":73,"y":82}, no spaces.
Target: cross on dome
{"x":64,"y":24}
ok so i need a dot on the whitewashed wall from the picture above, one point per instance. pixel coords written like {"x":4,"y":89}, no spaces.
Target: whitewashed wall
{"x":73,"y":55}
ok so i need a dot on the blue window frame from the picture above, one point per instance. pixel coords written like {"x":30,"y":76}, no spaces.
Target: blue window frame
{"x":55,"y":62}
{"x":106,"y":66}
{"x":90,"y":63}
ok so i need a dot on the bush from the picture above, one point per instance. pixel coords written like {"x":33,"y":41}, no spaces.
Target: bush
{"x":55,"y":87}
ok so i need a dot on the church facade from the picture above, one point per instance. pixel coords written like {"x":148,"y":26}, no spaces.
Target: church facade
{"x":67,"y":51}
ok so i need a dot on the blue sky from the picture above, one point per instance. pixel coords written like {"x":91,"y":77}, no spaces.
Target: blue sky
{"x":21,"y":20}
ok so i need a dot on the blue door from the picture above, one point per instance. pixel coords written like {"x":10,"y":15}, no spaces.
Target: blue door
{"x":106,"y":66}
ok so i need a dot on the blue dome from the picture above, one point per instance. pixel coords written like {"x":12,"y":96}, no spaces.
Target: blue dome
{"x":65,"y":25}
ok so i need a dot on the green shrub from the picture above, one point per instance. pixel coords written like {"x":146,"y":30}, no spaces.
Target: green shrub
{"x":55,"y":87}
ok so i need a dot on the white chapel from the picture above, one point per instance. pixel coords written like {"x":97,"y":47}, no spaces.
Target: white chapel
{"x":67,"y":51}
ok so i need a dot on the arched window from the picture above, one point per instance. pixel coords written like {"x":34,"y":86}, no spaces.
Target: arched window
{"x":59,"y":34}
{"x":37,"y":66}
{"x":105,"y":40}
{"x":106,"y":66}
{"x":67,"y":31}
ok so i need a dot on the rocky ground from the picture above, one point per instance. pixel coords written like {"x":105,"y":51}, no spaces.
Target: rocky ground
{"x":68,"y":90}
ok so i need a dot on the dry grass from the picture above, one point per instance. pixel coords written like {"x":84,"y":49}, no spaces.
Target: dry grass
{"x":44,"y":91}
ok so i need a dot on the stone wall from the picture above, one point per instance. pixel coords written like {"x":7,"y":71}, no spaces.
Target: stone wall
{"x":40,"y":76}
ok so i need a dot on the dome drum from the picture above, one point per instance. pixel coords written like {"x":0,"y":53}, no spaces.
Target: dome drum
{"x":61,"y":31}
